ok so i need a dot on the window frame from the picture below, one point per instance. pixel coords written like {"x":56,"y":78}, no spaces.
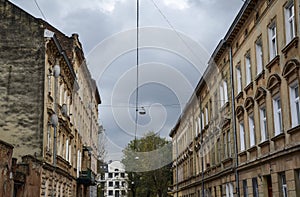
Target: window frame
{"x":277,"y":115}
{"x":272,"y":32}
{"x":290,"y":24}
{"x":242,"y":136}
{"x":255,"y":187}
{"x":248,"y":68}
{"x":259,"y":55}
{"x":251,"y":122}
{"x":263,"y":123}
{"x":239,"y":78}
{"x":294,"y":103}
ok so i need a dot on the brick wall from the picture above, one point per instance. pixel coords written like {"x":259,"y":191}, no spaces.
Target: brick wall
{"x":21,"y":80}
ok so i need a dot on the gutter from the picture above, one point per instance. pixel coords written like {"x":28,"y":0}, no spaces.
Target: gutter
{"x":234,"y":123}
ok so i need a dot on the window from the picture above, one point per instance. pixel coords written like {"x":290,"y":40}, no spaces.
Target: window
{"x":48,"y":137}
{"x":110,"y":184}
{"x":245,"y":188}
{"x":289,"y":12}
{"x":67,"y":150}
{"x":272,"y":41}
{"x":248,"y":69}
{"x":297,"y":183}
{"x":110,"y":192}
{"x":110,"y":175}
{"x":259,"y":56}
{"x":277,"y":115}
{"x":206,"y":115}
{"x":255,"y":187}
{"x":263,"y":123}
{"x":229,"y":190}
{"x":251,"y":131}
{"x":228,"y":144}
{"x":239,"y":79}
{"x":122,"y":174}
{"x":223,"y":93}
{"x":202,"y":120}
{"x":283,"y":186}
{"x":242,"y":137}
{"x":295,"y":106}
{"x":218,"y":151}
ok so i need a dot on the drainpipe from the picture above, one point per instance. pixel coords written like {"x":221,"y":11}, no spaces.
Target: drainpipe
{"x":234,"y":123}
{"x":201,"y":149}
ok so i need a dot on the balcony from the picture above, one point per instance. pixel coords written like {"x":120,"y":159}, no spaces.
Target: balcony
{"x":86,"y":178}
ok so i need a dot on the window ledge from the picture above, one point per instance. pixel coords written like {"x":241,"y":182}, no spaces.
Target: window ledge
{"x":291,"y":44}
{"x":264,"y":143}
{"x":228,"y":159}
{"x":244,"y":152}
{"x":253,"y":148}
{"x":273,"y":62}
{"x":294,"y":129}
{"x":277,"y":137}
{"x":249,"y":86}
{"x":224,"y":106}
{"x":240,"y":95}
{"x":261,"y":75}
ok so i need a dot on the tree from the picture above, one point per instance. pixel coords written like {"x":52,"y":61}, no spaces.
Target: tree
{"x":148,"y":164}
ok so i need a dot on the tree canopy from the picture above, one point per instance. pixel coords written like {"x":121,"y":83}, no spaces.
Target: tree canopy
{"x":148,"y":163}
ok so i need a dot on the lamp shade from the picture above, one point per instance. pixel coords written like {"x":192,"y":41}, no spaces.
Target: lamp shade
{"x":54,"y":120}
{"x":56,"y":71}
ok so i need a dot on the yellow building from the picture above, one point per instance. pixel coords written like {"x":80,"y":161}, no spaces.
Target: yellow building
{"x":259,"y":59}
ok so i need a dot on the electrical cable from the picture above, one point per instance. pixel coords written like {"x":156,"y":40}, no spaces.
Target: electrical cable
{"x":37,"y":5}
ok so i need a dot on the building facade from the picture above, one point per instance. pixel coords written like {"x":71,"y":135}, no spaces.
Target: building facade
{"x":113,"y":180}
{"x":251,"y":147}
{"x":50,"y":106}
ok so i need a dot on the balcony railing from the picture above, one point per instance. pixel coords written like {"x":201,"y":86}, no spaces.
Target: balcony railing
{"x":86,"y":178}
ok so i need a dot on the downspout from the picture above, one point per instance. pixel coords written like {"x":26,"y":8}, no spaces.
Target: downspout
{"x":234,"y":123}
{"x":202,"y":152}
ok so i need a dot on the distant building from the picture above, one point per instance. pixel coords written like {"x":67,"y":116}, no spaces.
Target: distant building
{"x":240,"y":133}
{"x":49,"y":106}
{"x":113,"y":180}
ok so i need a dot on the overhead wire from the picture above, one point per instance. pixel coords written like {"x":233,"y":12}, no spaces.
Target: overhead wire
{"x":37,"y":5}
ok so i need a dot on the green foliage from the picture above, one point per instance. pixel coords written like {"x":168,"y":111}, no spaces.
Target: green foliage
{"x":147,"y":162}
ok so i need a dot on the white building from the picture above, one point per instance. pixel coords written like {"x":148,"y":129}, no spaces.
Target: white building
{"x":114,"y":179}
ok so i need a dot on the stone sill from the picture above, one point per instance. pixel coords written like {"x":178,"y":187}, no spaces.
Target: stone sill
{"x":291,"y":44}
{"x":294,"y":129}
{"x":259,"y":76}
{"x":273,"y":62}
{"x":252,"y":149}
{"x":277,"y":137}
{"x":264,"y":143}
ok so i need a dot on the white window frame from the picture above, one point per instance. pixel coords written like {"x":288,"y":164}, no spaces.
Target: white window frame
{"x":67,"y":149}
{"x":289,"y":12}
{"x":229,"y":190}
{"x":252,"y":130}
{"x":202,"y":120}
{"x":259,"y":56}
{"x":277,"y":115}
{"x":272,"y":40}
{"x":242,"y":137}
{"x":295,"y":104}
{"x":248,"y":68}
{"x":263,"y":123}
{"x":239,"y":78}
{"x":223,"y":93}
{"x":206,"y":115}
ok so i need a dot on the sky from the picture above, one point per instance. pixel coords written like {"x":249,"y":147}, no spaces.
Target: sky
{"x":176,"y":39}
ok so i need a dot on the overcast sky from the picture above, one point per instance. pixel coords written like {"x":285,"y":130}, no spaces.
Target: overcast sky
{"x":171,"y":62}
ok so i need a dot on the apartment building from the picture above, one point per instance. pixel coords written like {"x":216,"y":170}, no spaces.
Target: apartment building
{"x":257,"y":72}
{"x":113,"y":179}
{"x":50,"y":107}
